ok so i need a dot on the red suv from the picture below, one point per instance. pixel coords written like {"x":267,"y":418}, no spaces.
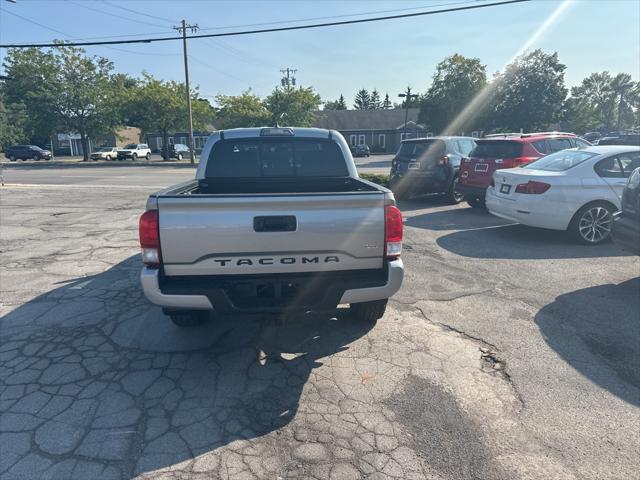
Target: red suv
{"x":508,"y":150}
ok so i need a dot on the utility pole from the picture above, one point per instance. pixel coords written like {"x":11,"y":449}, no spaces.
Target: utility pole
{"x":408,"y":96}
{"x":288,"y":80}
{"x":183,"y":29}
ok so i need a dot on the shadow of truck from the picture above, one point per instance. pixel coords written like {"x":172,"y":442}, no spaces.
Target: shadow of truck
{"x":97,"y":383}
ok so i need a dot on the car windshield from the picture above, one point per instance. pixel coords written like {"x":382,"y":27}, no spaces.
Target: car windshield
{"x":131,"y":146}
{"x":496,"y":149}
{"x":35,"y":147}
{"x":561,"y":161}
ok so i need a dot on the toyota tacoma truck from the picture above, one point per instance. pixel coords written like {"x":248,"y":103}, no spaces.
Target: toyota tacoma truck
{"x":276,"y":221}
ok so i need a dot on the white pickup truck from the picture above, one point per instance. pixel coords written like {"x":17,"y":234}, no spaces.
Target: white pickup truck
{"x":276,"y":221}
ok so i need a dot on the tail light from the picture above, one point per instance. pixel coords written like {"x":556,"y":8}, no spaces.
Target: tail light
{"x":443,"y":160}
{"x":532,"y":187}
{"x":514,"y":162}
{"x":150,"y":238}
{"x":392,"y":231}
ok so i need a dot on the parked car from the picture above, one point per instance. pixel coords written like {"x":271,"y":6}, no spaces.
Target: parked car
{"x":626,"y":223}
{"x":134,"y":151}
{"x":577,"y":190}
{"x":623,"y":139}
{"x":592,"y":137}
{"x":105,"y":153}
{"x":507,"y":151}
{"x":429,"y":165}
{"x":361,"y":151}
{"x":276,"y":220}
{"x":178,"y":151}
{"x":26,"y":152}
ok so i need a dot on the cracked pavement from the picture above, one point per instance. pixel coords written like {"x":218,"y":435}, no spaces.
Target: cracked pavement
{"x":509,"y":353}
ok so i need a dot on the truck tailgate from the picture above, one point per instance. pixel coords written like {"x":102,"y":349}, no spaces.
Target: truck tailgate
{"x":265,"y":234}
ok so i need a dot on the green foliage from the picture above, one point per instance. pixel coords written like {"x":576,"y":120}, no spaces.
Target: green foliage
{"x":362,"y":100}
{"x":379,"y":178}
{"x":456,"y":82}
{"x":13,"y":118}
{"x":293,"y":106}
{"x":339,"y":104}
{"x":386,"y":103}
{"x":159,"y":106}
{"x":246,"y":110}
{"x":374,"y":101}
{"x":529,"y":94}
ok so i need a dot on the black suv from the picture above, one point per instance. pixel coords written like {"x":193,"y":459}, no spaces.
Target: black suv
{"x":429,"y":165}
{"x":621,"y":139}
{"x":26,"y":152}
{"x":626,"y":223}
{"x":178,"y":151}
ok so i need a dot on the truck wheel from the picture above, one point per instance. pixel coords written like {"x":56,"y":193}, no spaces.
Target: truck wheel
{"x":187,"y":318}
{"x":368,"y":312}
{"x":108,"y":158}
{"x":148,"y":156}
{"x":12,"y":158}
{"x":179,"y":157}
{"x":134,"y":157}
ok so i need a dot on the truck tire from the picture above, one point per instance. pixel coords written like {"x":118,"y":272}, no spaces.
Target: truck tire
{"x":12,"y":158}
{"x":368,"y":312}
{"x":134,"y":157}
{"x":148,"y":156}
{"x":179,"y":157}
{"x":187,"y":318}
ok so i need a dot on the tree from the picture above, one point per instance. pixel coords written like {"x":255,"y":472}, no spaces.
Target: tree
{"x":12,"y":120}
{"x":293,"y":106}
{"x":161,"y":107}
{"x":336,"y":105}
{"x":30,"y":84}
{"x":374,"y":101}
{"x":245,"y":110}
{"x":529,"y":94}
{"x":456,"y":82}
{"x":592,"y":103}
{"x":386,"y":103}
{"x":362,"y":100}
{"x":625,"y":91}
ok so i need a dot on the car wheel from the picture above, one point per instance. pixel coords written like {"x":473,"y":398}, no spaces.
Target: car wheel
{"x":368,"y":312}
{"x":187,"y":318}
{"x":108,"y":158}
{"x":12,"y":158}
{"x":476,"y":202}
{"x":592,"y":224}
{"x":179,"y":157}
{"x":134,"y":157}
{"x":453,"y":195}
{"x":148,"y":156}
{"x":36,"y":158}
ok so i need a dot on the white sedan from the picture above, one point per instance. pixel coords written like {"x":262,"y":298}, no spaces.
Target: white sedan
{"x":576,"y":190}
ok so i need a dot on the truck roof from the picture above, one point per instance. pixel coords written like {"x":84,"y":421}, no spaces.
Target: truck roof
{"x":298,"y":132}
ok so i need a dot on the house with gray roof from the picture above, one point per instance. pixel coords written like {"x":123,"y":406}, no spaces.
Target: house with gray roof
{"x":381,"y":130}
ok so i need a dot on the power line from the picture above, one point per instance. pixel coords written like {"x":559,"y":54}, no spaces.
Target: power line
{"x":144,"y":14}
{"x":280,"y":22}
{"x":115,"y":15}
{"x":271,"y":30}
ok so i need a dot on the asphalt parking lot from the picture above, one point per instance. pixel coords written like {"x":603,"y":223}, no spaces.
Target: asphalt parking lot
{"x":509,"y":353}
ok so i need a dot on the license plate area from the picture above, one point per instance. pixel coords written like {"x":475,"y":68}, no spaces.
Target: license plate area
{"x":504,"y":188}
{"x":414,"y":166}
{"x":481,"y":167}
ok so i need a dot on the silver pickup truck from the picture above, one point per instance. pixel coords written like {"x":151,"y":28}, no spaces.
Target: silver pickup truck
{"x":277,"y":220}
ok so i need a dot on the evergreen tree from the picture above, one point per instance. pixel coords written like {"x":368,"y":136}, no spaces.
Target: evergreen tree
{"x":362,"y":100}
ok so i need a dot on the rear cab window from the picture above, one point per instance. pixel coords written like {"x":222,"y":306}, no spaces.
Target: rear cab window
{"x":270,"y":157}
{"x":497,"y":149}
{"x":419,"y":149}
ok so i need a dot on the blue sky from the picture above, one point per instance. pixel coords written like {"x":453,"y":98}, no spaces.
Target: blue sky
{"x":589,"y":35}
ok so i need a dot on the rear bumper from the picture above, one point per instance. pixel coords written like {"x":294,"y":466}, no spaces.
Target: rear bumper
{"x":626,"y":233}
{"x":427,"y":182}
{"x":533,"y":211}
{"x":469,"y":191}
{"x":238,"y":294}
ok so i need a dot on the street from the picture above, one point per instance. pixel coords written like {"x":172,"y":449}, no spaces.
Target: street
{"x":509,"y":353}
